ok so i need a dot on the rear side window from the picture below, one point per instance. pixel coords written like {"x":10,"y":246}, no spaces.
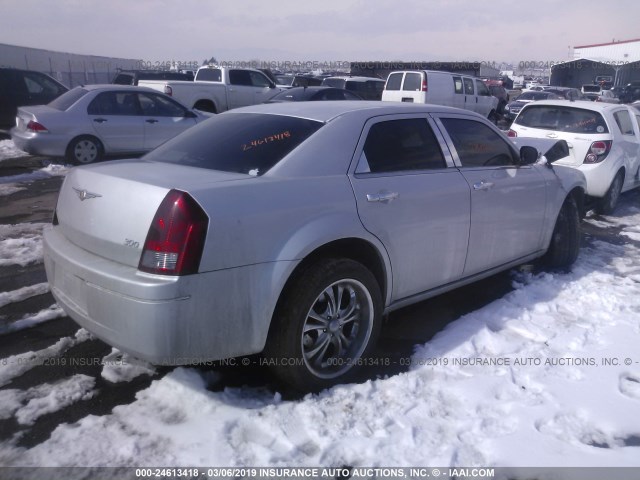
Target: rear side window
{"x":394,"y":81}
{"x":209,"y":75}
{"x":64,"y":101}
{"x":623,"y":119}
{"x":334,"y":82}
{"x":412,"y":82}
{"x":240,"y":77}
{"x":562,"y":119}
{"x":468,"y":86}
{"x":237,"y":142}
{"x":477,"y":145}
{"x":457,"y":85}
{"x":401,"y":145}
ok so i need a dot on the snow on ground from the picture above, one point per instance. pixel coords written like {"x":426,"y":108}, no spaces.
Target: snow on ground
{"x":29,"y":405}
{"x":9,"y":150}
{"x":28,"y":321}
{"x":21,"y":244}
{"x":16,"y":365}
{"x":548,"y":375}
{"x":122,"y":367}
{"x":23,"y":293}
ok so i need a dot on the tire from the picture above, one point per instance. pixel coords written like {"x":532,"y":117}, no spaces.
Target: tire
{"x":310,"y":347}
{"x":565,"y":241}
{"x":609,"y":202}
{"x":85,"y":150}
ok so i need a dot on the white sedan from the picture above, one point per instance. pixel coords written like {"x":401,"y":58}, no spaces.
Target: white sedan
{"x":603,"y":139}
{"x":93,"y":121}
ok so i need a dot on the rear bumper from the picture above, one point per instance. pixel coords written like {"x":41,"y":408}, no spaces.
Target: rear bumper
{"x":164,"y":320}
{"x":45,"y":144}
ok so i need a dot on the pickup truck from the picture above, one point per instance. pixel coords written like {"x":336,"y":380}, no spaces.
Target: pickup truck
{"x":218,"y":89}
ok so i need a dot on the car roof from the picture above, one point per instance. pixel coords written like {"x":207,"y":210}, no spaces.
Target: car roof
{"x":112,"y":86}
{"x":328,"y":110}
{"x":356,"y":79}
{"x":583,"y":104}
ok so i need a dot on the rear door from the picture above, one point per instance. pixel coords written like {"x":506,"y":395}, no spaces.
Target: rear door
{"x":163,"y":119}
{"x":508,"y":202}
{"x":629,"y":142}
{"x":116,"y":118}
{"x":393,"y":88}
{"x":240,"y":89}
{"x":411,"y":198}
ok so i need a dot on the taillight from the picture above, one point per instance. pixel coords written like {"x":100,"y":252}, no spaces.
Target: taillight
{"x":176,"y":237}
{"x":425,"y":85}
{"x":168,"y":90}
{"x":598,"y":151}
{"x":36,"y":127}
{"x":512,"y":133}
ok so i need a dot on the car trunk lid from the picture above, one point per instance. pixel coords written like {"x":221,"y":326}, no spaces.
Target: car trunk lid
{"x":107,"y":209}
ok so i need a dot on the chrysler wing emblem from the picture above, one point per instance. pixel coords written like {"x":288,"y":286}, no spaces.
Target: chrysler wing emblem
{"x":85,"y":195}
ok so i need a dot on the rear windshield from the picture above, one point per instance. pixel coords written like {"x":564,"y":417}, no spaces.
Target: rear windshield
{"x":562,"y":119}
{"x":64,"y":101}
{"x":334,"y":82}
{"x":237,"y":142}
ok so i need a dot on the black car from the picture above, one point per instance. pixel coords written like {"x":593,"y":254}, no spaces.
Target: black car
{"x":630,"y":93}
{"x":131,"y":77}
{"x":305,"y":94}
{"x":19,"y":88}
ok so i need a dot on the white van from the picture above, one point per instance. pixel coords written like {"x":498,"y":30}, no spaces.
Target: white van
{"x":441,"y":88}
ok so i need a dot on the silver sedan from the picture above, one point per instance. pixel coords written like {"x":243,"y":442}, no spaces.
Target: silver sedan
{"x":90,"y":122}
{"x":291,"y":229}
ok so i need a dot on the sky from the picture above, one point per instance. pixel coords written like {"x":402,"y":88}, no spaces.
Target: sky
{"x":326,"y":31}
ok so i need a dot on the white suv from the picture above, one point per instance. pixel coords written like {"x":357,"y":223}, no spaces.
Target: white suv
{"x":603,"y":140}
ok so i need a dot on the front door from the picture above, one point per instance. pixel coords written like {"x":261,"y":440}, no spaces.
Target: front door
{"x":508,"y":202}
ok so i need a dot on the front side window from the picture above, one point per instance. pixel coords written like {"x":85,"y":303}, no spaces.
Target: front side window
{"x":158,"y":106}
{"x":237,"y":142}
{"x":401,"y":145}
{"x":477,"y":144}
{"x":482,"y":89}
{"x":623,"y":119}
{"x":259,"y":80}
{"x":562,"y":119}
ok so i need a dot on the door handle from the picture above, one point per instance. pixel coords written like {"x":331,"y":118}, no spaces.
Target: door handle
{"x":384,"y":197}
{"x":482,"y":185}
{"x":99,"y":120}
{"x":151,"y":120}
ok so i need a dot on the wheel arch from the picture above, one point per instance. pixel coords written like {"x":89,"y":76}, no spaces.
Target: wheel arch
{"x":204,"y":104}
{"x":357,"y":249}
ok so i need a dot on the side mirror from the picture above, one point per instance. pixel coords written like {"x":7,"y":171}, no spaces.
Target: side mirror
{"x":528,"y":155}
{"x":190,"y":114}
{"x":272,"y":85}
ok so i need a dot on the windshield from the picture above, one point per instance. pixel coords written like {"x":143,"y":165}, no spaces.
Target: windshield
{"x":562,"y":119}
{"x":237,"y":142}
{"x":64,"y":101}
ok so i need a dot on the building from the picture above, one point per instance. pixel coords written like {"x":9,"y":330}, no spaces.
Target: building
{"x":382,"y":69}
{"x":69,"y":68}
{"x":617,"y":52}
